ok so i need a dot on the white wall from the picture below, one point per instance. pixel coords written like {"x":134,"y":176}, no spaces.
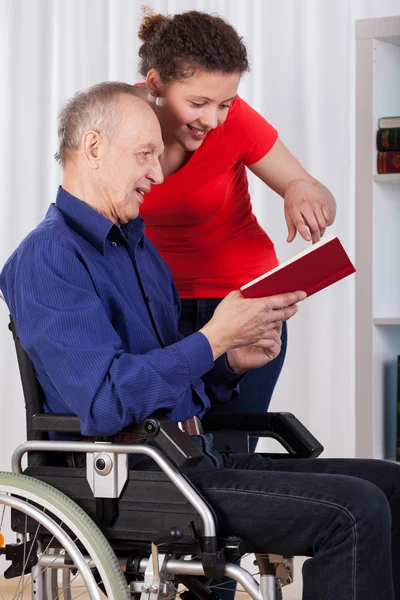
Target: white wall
{"x":302,"y":80}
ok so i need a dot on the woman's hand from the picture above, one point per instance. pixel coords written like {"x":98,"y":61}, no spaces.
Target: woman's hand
{"x":309,"y":209}
{"x":309,"y":205}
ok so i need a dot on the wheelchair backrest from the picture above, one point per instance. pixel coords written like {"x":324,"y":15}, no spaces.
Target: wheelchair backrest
{"x":33,"y":397}
{"x":33,"y":393}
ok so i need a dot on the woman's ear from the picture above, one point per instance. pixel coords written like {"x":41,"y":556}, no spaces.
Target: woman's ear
{"x":154,"y":84}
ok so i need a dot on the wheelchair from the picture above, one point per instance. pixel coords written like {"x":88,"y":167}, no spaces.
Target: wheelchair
{"x":107,"y":531}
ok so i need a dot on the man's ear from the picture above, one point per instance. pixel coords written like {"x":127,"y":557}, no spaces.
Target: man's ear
{"x":91,"y":146}
{"x":154,"y":83}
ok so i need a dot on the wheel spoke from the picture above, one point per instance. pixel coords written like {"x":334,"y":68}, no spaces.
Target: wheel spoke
{"x":47,"y":567}
{"x":74,"y":531}
{"x":26,"y":558}
{"x":2,"y":517}
{"x":20,"y":581}
{"x":65,"y":588}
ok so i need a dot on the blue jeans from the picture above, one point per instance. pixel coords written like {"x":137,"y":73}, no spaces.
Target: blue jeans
{"x":257,"y":385}
{"x":343,"y":513}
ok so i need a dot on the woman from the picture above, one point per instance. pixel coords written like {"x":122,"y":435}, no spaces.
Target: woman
{"x":200,"y":218}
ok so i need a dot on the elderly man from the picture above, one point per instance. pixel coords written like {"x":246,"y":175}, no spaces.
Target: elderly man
{"x":97,"y":312}
{"x":93,"y":301}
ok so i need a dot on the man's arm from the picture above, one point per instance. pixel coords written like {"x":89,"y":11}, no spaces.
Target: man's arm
{"x":69,"y":337}
{"x":221,"y":383}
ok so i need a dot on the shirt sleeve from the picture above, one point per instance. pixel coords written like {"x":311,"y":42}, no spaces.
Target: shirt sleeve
{"x":247,"y":133}
{"x":221,"y":383}
{"x":65,"y":330}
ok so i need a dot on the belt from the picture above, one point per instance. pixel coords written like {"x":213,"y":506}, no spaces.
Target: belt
{"x":191,"y":426}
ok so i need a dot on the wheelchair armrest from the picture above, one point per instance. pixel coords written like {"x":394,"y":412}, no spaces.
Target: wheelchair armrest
{"x":60,"y":423}
{"x":284,"y":427}
{"x":175,"y":444}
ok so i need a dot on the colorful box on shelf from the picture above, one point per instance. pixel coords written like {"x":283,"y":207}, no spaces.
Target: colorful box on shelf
{"x":388,"y":145}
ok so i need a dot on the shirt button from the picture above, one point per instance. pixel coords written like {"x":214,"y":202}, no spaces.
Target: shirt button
{"x":114,"y":244}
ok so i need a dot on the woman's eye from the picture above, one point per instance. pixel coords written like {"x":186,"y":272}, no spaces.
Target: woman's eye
{"x":225,"y":106}
{"x":197,"y":105}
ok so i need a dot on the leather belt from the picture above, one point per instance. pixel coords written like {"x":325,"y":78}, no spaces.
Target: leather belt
{"x":191,"y":426}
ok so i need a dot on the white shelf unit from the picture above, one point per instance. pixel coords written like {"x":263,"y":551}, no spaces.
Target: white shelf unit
{"x":377,"y":241}
{"x":387,"y":178}
{"x":387,"y":322}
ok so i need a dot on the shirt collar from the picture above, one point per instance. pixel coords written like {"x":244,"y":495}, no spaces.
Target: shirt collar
{"x":93,"y":226}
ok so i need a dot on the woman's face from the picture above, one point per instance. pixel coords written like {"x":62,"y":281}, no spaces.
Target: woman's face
{"x":195,"y":106}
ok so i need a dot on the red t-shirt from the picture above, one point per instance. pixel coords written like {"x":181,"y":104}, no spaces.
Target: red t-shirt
{"x":200,"y":218}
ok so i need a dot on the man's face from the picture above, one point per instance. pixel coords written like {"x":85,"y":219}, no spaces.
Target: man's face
{"x":129,"y":163}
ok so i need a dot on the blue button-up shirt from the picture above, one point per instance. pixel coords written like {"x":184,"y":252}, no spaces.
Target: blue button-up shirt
{"x":96,"y":310}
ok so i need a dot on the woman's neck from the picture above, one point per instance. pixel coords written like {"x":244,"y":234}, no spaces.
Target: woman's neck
{"x":174,"y":158}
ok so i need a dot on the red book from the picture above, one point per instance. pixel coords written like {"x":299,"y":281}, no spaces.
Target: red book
{"x":389,"y":162}
{"x":310,"y":271}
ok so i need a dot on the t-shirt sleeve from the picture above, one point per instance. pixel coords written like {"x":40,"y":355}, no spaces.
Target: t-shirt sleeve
{"x":249,"y":135}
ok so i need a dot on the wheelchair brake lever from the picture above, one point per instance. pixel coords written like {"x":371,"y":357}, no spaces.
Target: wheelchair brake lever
{"x":156,"y":583}
{"x":165,"y":537}
{"x":169,"y":536}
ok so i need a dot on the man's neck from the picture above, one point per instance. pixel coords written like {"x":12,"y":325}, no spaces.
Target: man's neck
{"x":78,"y":186}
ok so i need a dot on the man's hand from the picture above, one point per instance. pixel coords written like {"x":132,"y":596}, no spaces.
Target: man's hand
{"x":238,"y":321}
{"x":256,"y":355}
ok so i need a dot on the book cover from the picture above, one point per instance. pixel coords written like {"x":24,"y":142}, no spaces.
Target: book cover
{"x":398,"y":412}
{"x":389,"y":162}
{"x":316,"y":268}
{"x":388,"y":139}
{"x":389,"y":122}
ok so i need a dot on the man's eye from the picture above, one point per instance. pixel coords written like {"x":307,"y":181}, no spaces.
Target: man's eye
{"x":146,"y":153}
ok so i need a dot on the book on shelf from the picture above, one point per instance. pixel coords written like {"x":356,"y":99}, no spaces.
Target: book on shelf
{"x":312,"y":270}
{"x":385,"y":122}
{"x":388,"y":139}
{"x":388,"y":162}
{"x":398,"y":412}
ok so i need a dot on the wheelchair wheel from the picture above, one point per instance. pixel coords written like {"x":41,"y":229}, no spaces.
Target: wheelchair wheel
{"x":53,"y":546}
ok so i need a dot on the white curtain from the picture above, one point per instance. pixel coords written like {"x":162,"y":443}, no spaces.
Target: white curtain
{"x":302,"y":80}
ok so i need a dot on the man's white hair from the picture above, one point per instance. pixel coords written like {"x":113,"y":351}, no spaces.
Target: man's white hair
{"x":90,"y":109}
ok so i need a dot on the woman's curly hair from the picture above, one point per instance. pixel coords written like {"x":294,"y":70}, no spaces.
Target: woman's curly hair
{"x":178,"y":45}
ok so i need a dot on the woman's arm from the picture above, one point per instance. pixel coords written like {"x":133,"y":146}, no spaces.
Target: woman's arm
{"x":309,"y":206}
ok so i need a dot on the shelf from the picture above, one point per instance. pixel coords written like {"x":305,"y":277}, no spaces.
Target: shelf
{"x":387,"y":321}
{"x":383,"y":28}
{"x":388,"y":178}
{"x":377,"y":241}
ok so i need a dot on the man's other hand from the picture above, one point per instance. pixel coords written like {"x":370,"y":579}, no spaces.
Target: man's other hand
{"x":239,"y":321}
{"x":256,"y":355}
